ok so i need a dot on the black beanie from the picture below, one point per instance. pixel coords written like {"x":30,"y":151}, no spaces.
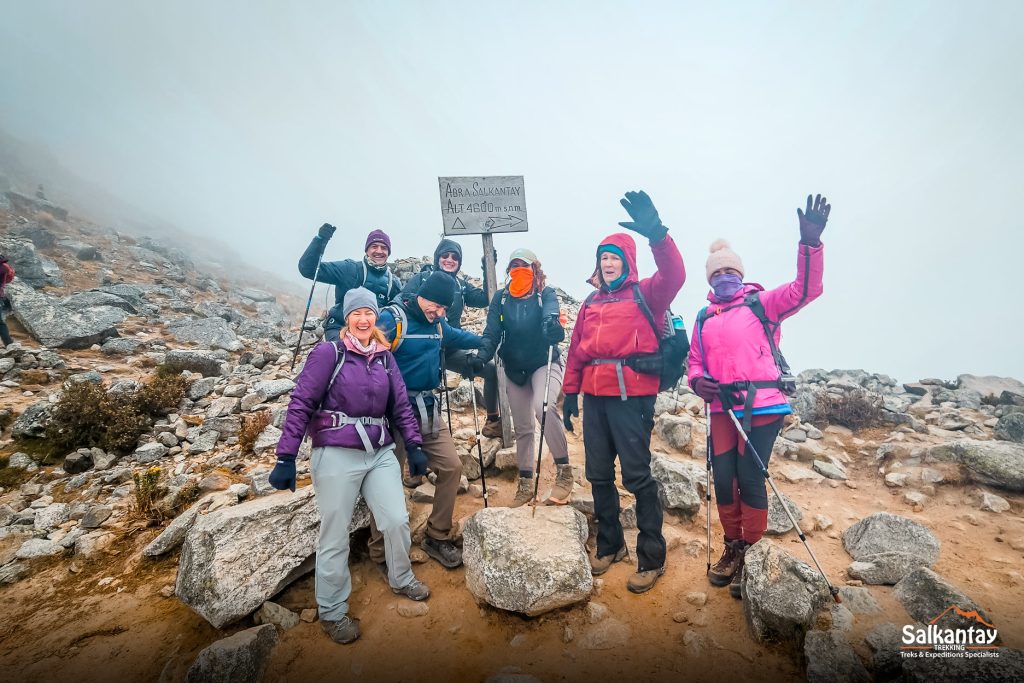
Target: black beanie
{"x":440,"y":288}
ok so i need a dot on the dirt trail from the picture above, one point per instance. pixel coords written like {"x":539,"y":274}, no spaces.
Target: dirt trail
{"x":59,"y":625}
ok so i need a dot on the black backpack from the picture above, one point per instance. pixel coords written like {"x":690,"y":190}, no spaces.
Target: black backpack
{"x":669,"y":361}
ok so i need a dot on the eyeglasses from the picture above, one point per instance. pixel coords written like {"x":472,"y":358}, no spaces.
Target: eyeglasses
{"x":450,"y":254}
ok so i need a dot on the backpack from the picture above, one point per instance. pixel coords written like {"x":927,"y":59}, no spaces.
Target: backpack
{"x":402,"y":322}
{"x":339,"y":362}
{"x":669,"y":361}
{"x":786,"y":381}
{"x":392,"y":279}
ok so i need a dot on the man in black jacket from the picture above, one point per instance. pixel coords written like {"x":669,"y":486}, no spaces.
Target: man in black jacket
{"x":448,"y":259}
{"x":371,"y":272}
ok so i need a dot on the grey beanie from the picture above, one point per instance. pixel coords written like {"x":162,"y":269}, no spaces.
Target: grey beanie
{"x":360,"y":297}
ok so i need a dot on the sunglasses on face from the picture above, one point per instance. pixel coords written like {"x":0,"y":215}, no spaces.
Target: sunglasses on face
{"x":450,"y":255}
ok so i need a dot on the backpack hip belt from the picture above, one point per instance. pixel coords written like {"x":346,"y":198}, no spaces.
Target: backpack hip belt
{"x":729,"y":390}
{"x":326,"y":420}
{"x":430,"y":420}
{"x":618,"y":363}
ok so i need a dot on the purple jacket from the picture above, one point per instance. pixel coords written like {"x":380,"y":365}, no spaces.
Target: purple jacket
{"x":363,"y":388}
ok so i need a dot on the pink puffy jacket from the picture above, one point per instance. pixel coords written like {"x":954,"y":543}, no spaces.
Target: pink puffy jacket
{"x":734,"y":344}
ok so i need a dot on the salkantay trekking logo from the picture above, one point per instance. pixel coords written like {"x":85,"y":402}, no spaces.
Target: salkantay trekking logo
{"x":961,"y":642}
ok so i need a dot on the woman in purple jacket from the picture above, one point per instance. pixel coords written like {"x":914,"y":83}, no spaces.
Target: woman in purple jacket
{"x":345,"y":397}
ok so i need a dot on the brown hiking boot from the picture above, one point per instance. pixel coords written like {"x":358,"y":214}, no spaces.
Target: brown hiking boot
{"x":563,"y":486}
{"x":723,"y":570}
{"x":599,"y":565}
{"x":524,"y":492}
{"x":641,"y":582}
{"x":736,"y":585}
{"x":343,"y":631}
{"x":492,"y":429}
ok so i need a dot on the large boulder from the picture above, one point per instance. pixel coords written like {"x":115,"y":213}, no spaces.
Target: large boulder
{"x":930,"y":599}
{"x":675,"y":430}
{"x":93,"y":298}
{"x":989,"y":385}
{"x":995,"y":463}
{"x":831,"y":659}
{"x":31,"y":424}
{"x":778,"y":521}
{"x":239,"y":658}
{"x":527,"y":564}
{"x":781,"y":595}
{"x":236,"y":558}
{"x":680,"y":484}
{"x":55,"y":325}
{"x":886,"y":547}
{"x":1011,"y":428}
{"x":205,"y":363}
{"x":212,"y":333}
{"x":22,"y":255}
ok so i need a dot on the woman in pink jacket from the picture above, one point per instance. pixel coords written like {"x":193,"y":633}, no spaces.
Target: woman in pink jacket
{"x":734,"y":354}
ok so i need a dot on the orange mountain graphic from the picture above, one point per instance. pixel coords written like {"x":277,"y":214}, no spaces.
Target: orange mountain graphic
{"x":973,"y":614}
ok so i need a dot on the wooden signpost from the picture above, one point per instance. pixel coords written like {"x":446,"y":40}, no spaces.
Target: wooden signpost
{"x":484,"y":205}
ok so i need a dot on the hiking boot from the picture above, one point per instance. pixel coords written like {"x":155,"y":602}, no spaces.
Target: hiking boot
{"x":411,"y":482}
{"x":599,"y":565}
{"x":524,"y":492}
{"x":723,"y":570}
{"x":563,"y":486}
{"x":736,"y":585}
{"x":343,"y":631}
{"x":641,"y":582}
{"x":492,"y":429}
{"x":445,"y":552}
{"x":414,"y":590}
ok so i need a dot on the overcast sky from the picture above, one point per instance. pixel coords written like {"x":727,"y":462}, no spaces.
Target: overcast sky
{"x":258,"y":121}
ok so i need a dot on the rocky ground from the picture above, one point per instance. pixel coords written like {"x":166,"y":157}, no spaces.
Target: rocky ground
{"x":916,"y":509}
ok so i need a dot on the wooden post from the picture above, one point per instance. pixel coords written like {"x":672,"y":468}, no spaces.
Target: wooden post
{"x":491,"y":285}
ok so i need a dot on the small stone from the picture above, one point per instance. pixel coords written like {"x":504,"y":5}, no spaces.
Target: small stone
{"x":424,"y":493}
{"x":993,"y":503}
{"x":822,"y":522}
{"x":696,"y":598}
{"x":896,"y":479}
{"x":272,"y":613}
{"x":167,"y":591}
{"x":308,"y":615}
{"x":411,"y":610}
{"x":595,"y":612}
{"x":680,"y":617}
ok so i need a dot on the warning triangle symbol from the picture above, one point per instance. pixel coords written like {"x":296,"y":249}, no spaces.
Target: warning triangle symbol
{"x":458,"y":224}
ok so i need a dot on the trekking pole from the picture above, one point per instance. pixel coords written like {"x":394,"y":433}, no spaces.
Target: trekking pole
{"x":309,"y":302}
{"x":543,"y":419}
{"x":764,"y":470}
{"x":479,"y":448}
{"x":707,"y":486}
{"x":448,"y":399}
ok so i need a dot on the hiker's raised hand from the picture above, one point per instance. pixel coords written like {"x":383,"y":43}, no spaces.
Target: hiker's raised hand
{"x":645,"y":217}
{"x":326,"y":232}
{"x":812,"y":221}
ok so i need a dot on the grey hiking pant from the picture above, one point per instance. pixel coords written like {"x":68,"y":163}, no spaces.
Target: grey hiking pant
{"x":339,"y":476}
{"x":526,"y":403}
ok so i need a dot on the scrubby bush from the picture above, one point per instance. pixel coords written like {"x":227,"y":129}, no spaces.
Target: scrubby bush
{"x":855,"y":409}
{"x":86,"y":415}
{"x":252,"y":426}
{"x":148,"y":492}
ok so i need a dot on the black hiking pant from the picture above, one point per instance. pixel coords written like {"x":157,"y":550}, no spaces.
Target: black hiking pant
{"x":616,"y":428}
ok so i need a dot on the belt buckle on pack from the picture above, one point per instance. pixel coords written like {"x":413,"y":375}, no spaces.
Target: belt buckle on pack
{"x":335,"y":419}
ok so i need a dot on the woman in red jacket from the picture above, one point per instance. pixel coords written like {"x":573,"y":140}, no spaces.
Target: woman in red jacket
{"x":618,"y":401}
{"x":6,"y":275}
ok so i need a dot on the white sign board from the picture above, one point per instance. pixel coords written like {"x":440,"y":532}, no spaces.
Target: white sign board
{"x":480,"y":205}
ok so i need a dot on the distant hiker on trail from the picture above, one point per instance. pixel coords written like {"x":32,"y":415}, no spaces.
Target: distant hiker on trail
{"x":416,"y":328}
{"x":522,"y":324}
{"x":371,"y":272}
{"x":448,"y":258}
{"x":611,"y":331}
{"x":346,"y":396}
{"x":6,"y":276}
{"x":734,"y":353}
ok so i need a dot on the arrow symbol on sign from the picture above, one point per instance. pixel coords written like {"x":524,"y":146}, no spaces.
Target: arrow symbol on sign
{"x":493,"y":222}
{"x":458,"y":224}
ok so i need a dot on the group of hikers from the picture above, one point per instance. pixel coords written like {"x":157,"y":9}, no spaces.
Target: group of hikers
{"x":367,"y":395}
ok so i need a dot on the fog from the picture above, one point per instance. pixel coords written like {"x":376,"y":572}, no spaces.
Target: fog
{"x":255,"y":122}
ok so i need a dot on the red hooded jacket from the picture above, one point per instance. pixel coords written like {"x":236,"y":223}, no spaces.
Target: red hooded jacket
{"x":612,"y":326}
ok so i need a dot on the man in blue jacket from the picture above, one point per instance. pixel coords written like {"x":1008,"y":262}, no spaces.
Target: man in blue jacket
{"x":415,"y":325}
{"x":371,"y":272}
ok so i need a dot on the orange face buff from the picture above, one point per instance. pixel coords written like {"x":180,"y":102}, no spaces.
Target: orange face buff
{"x":521,"y":281}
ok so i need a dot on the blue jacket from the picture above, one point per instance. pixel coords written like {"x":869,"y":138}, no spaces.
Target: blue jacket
{"x":419,"y":360}
{"x":346,"y":275}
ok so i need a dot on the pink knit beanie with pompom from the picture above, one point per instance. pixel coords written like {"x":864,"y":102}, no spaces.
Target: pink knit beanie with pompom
{"x":722,"y":257}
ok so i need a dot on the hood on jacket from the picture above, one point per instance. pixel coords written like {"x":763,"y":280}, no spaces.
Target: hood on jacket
{"x":447,"y":245}
{"x":625,"y":244}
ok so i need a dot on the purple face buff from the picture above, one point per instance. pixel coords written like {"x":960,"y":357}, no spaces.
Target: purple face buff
{"x":726,"y":286}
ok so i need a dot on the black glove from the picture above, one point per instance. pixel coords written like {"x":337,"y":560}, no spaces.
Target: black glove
{"x":570,"y":409}
{"x":283,"y":476}
{"x":326,"y":232}
{"x":706,"y":388}
{"x":645,"y":217}
{"x":553,"y":331}
{"x":474,"y":365}
{"x":812,"y":223}
{"x":483,"y":266}
{"x":417,"y":460}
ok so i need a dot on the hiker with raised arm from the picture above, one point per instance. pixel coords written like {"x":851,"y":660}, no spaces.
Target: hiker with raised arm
{"x":371,"y":272}
{"x":347,"y":396}
{"x":448,"y":259}
{"x":523,"y":325}
{"x":735,"y":355}
{"x":416,"y":328}
{"x":6,"y":277}
{"x":608,"y":362}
